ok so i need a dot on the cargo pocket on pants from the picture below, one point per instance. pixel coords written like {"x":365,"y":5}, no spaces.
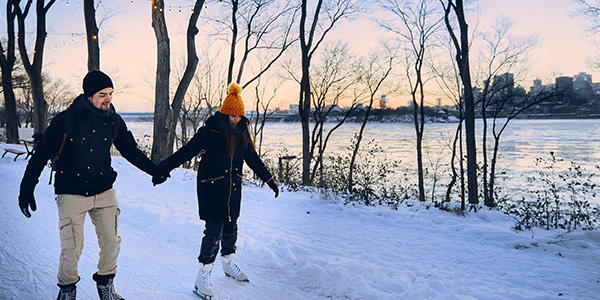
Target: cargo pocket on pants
{"x":67,"y":236}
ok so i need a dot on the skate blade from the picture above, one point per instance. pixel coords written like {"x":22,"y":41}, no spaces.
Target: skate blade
{"x":202,"y":296}
{"x":245,"y":280}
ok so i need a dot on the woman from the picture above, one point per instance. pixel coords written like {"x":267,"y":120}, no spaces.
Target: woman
{"x":224,"y":143}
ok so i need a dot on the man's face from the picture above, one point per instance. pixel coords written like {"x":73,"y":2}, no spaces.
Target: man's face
{"x":101,"y":99}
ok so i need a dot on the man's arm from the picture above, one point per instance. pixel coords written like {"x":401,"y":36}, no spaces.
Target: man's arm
{"x":43,"y":152}
{"x":128,"y":147}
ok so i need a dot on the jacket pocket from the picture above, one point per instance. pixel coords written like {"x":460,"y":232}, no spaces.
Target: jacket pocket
{"x":212,"y":179}
{"x":67,"y":236}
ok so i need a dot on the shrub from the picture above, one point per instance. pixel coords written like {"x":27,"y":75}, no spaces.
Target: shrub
{"x":556,"y":199}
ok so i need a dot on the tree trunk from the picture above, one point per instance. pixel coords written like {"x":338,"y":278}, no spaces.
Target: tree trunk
{"x":7,"y":62}
{"x":234,"y":33}
{"x":188,"y":74}
{"x":10,"y":106}
{"x":462,"y":60}
{"x":162,"y":112}
{"x":89,"y":13}
{"x":357,"y":146}
{"x":34,"y":70}
{"x":419,"y":122}
{"x":484,"y":171}
{"x":305,"y":101}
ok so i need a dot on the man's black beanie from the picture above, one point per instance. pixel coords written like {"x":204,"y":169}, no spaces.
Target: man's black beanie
{"x":95,"y":81}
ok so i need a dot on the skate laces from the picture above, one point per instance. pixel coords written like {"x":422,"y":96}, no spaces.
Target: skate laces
{"x":66,"y":294}
{"x":107,"y":292}
{"x":206,"y":282}
{"x":233,"y":269}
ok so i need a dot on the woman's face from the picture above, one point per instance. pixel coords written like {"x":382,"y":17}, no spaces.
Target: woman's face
{"x":234,"y":120}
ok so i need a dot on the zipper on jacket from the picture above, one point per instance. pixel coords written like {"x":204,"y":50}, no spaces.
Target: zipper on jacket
{"x":230,"y":187}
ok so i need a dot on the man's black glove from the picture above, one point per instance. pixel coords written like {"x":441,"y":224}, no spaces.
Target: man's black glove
{"x":26,"y":200}
{"x":274,"y":187}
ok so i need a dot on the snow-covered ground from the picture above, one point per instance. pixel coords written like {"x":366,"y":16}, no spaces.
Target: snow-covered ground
{"x":298,"y":246}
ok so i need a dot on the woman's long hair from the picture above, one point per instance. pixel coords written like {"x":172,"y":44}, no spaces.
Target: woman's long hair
{"x":239,"y":133}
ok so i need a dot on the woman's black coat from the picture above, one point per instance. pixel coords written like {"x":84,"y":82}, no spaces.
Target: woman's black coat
{"x":219,"y":183}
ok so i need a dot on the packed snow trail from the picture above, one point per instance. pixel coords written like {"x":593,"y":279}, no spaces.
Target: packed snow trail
{"x":297,"y":246}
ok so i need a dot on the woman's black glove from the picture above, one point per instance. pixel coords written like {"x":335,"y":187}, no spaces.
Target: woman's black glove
{"x":274,"y":187}
{"x":26,"y":200}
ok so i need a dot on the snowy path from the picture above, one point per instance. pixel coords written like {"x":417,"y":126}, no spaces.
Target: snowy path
{"x":298,"y":246}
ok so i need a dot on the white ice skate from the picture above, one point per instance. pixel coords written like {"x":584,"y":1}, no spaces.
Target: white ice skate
{"x":231,"y":269}
{"x":203,"y":287}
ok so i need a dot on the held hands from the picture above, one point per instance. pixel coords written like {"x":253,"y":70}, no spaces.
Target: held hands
{"x":160,"y":174}
{"x":159,"y":178}
{"x":26,"y":200}
{"x":274,"y":187}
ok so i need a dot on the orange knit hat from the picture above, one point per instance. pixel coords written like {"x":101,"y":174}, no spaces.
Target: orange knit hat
{"x":233,"y":104}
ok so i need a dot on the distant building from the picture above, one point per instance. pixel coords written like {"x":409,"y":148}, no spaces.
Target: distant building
{"x":583,"y":77}
{"x":294,"y":109}
{"x":504,"y":81}
{"x":537,"y":86}
{"x":564,"y":83}
{"x":382,"y":102}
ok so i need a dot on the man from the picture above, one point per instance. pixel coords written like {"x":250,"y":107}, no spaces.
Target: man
{"x":78,"y":142}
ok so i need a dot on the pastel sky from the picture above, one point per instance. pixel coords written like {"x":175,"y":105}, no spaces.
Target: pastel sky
{"x":128,"y":52}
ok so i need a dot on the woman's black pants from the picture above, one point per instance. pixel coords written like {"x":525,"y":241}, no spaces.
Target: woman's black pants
{"x":224,"y":233}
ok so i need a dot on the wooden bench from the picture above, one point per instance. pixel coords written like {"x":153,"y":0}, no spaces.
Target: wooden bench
{"x":29,"y":143}
{"x":13,"y":151}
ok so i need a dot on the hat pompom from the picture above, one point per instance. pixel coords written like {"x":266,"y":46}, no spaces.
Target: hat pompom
{"x":235,"y":89}
{"x":233,"y":104}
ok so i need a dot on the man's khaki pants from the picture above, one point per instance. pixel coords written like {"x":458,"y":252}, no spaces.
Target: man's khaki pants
{"x":104,"y":211}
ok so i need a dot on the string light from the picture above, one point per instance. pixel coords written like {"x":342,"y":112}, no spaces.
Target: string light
{"x":65,"y":42}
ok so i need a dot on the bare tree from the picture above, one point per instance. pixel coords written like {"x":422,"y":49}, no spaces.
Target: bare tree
{"x":374,"y":72}
{"x":7,"y":64}
{"x":454,"y":9}
{"x":91,"y":29}
{"x":310,"y":39}
{"x":590,"y":9}
{"x":419,"y":24}
{"x":503,"y":54}
{"x":262,"y":104}
{"x":34,"y":69}
{"x":331,"y":80}
{"x":263,"y":28}
{"x":58,"y":95}
{"x":448,"y":79}
{"x":166,"y":114}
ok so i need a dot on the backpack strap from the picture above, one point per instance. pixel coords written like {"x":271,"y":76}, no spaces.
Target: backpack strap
{"x":116,"y":125}
{"x":69,"y":124}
